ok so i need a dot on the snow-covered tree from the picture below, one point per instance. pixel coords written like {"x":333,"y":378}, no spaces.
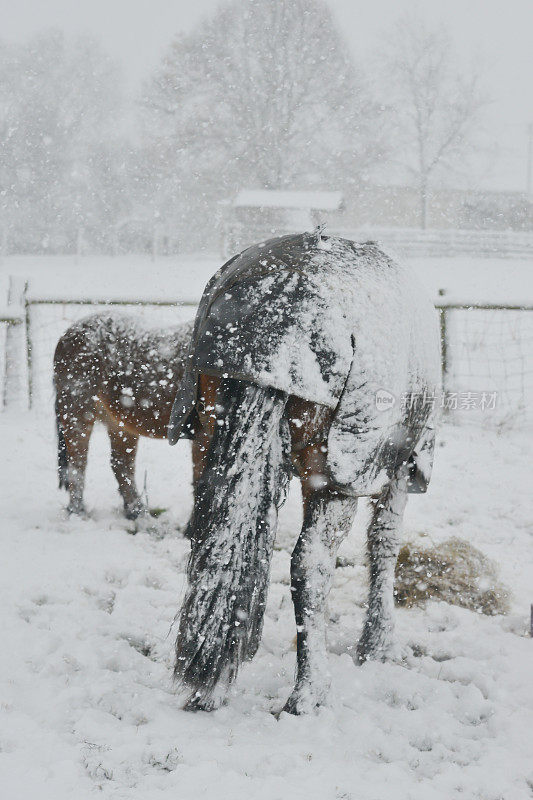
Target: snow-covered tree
{"x":436,"y":106}
{"x":262,"y":94}
{"x":59,"y":102}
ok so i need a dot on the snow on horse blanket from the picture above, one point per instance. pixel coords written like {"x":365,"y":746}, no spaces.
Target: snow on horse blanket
{"x":334,"y":322}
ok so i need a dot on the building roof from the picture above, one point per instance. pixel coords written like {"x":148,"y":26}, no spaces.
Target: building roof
{"x":265,"y":198}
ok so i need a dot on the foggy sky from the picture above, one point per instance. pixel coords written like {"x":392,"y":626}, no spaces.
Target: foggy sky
{"x":136,"y":33}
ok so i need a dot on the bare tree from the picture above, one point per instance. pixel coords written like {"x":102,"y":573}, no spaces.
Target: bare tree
{"x":266,"y":94}
{"x":436,"y":106}
{"x":59,"y":103}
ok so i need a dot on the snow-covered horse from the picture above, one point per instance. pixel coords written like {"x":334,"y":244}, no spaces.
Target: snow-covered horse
{"x":110,"y":367}
{"x":317,"y":356}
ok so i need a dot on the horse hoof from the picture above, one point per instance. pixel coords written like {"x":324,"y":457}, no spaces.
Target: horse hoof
{"x":135,"y":511}
{"x":382,"y":653}
{"x":298,"y":704}
{"x":199,"y":702}
{"x":77,"y":511}
{"x":290,"y":707}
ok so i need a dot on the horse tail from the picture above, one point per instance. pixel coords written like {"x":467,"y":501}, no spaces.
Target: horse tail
{"x":62,"y":454}
{"x":232,"y":528}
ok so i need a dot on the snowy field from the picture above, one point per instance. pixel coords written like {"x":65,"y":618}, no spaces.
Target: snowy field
{"x":167,"y":126}
{"x":88,"y":707}
{"x":87,"y":703}
{"x":464,"y":279}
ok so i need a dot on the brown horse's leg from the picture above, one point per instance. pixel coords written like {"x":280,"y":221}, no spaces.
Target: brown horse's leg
{"x":77,"y":434}
{"x":206,"y":408}
{"x":123,"y":452}
{"x":207,"y":393}
{"x":328,"y":517}
{"x":383,"y":547}
{"x":200,"y":446}
{"x":75,"y":378}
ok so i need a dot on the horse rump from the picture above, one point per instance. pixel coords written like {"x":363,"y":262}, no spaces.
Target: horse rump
{"x":232,"y":529}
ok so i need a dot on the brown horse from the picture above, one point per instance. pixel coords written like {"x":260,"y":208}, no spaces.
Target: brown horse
{"x":109,"y":367}
{"x":301,"y":351}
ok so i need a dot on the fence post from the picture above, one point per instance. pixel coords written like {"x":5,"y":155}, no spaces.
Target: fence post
{"x":14,"y":343}
{"x":443,"y":321}
{"x":29,"y":348}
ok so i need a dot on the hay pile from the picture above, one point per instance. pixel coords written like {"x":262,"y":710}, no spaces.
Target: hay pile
{"x":452,"y":571}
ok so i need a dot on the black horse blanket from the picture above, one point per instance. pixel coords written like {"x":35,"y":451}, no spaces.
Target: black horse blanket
{"x":335,"y":322}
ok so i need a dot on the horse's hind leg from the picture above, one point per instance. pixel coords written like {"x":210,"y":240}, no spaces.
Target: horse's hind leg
{"x":77,"y":434}
{"x":123,"y":452}
{"x":328,"y":517}
{"x":383,"y":534}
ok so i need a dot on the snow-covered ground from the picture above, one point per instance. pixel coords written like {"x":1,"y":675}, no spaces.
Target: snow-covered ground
{"x":87,"y":704}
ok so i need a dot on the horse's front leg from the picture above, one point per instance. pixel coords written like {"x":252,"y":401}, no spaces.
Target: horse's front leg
{"x":384,"y":534}
{"x":328,"y":517}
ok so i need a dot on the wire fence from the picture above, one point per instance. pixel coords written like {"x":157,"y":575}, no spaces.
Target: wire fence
{"x":488,"y":363}
{"x":3,"y":365}
{"x":487,"y":354}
